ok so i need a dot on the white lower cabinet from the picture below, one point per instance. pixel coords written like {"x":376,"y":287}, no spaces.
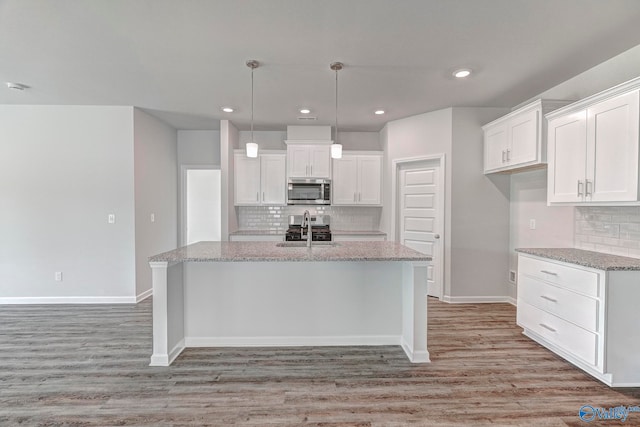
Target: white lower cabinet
{"x":587,"y":316}
{"x":256,"y":238}
{"x":364,"y":237}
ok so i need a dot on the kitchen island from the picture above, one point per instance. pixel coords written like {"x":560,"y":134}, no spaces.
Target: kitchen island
{"x":222,"y":294}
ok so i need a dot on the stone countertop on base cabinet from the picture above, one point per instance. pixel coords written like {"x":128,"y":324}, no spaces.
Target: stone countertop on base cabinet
{"x":597,"y":260}
{"x":271,"y":252}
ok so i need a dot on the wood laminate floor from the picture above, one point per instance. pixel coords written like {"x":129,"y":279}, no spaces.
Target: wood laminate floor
{"x":88,"y":366}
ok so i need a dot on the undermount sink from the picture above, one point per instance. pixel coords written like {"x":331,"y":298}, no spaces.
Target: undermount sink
{"x":302,"y":244}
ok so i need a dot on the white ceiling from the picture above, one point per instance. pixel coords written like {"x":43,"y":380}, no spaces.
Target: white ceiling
{"x":182,"y":60}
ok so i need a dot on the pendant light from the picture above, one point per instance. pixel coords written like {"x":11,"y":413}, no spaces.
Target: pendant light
{"x":252,"y":146}
{"x":336,"y":148}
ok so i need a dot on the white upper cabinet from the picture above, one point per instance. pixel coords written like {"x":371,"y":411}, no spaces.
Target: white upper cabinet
{"x":273,"y":179}
{"x":357,"y":180}
{"x":260,"y":181}
{"x":594,"y":149}
{"x":309,"y":159}
{"x":516,"y":141}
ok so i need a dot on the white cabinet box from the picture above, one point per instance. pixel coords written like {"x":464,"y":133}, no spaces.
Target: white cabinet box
{"x":261,"y":180}
{"x":256,"y":237}
{"x":358,"y":237}
{"x":593,"y":149}
{"x":308,"y":159}
{"x":357,"y":180}
{"x":587,"y":316}
{"x":517,"y":140}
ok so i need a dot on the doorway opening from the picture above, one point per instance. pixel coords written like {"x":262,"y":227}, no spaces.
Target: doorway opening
{"x":201,"y":204}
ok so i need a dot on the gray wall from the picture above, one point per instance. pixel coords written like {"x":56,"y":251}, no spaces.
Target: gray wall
{"x":63,"y":169}
{"x":156,"y":181}
{"x":199,"y":147}
{"x":479,"y":212}
{"x":555,"y":225}
{"x":476,"y":209}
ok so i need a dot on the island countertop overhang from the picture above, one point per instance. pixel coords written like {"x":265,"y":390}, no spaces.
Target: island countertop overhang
{"x":270,"y":252}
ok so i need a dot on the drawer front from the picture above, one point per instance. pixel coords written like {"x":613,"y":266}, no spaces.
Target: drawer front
{"x":568,"y":305}
{"x":572,"y":338}
{"x":573,"y":278}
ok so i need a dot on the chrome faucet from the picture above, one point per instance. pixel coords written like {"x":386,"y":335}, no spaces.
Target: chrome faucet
{"x":306,"y":219}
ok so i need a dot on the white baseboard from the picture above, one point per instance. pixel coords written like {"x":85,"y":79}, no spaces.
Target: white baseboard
{"x":512,"y":301}
{"x":415,"y":356}
{"x":292,"y":341}
{"x":167,"y":359}
{"x":477,"y":300}
{"x":144,"y":295}
{"x":68,"y":300}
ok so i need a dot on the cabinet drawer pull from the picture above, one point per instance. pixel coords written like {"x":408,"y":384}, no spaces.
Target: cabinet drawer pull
{"x":549,"y":328}
{"x":548,"y":298}
{"x":548,"y":272}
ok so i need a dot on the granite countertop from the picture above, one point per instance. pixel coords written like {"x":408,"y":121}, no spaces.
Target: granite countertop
{"x":268,"y":251}
{"x":257,"y":233}
{"x":597,"y":260}
{"x":358,"y":232}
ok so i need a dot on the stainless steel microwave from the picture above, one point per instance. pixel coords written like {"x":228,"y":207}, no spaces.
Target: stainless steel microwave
{"x":309,"y":191}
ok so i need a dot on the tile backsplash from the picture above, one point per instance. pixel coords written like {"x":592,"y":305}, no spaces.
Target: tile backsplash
{"x":614,"y":230}
{"x":276,"y":217}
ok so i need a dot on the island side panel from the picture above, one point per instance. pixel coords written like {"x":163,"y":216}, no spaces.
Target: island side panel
{"x":293,"y":303}
{"x":168,"y":312}
{"x":414,"y":312}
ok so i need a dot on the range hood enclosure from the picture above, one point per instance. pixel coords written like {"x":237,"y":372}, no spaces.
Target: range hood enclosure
{"x":310,"y":133}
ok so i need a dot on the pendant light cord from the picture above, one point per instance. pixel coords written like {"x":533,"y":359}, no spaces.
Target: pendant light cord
{"x":252,"y":104}
{"x":336,"y":139}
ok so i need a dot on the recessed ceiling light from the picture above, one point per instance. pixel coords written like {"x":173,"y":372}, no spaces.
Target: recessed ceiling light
{"x":17,"y":86}
{"x":462,"y":73}
{"x":378,"y":112}
{"x":227,"y":109}
{"x":305,"y":110}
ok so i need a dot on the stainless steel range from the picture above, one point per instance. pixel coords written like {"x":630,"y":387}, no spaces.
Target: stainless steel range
{"x":320,"y":230}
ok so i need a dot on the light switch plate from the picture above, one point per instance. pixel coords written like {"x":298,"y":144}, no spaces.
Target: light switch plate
{"x":111,"y":219}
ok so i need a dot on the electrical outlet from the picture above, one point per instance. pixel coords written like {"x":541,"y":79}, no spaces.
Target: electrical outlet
{"x":512,"y":276}
{"x":58,"y":276}
{"x":111,"y":219}
{"x":153,"y":217}
{"x":532,"y":224}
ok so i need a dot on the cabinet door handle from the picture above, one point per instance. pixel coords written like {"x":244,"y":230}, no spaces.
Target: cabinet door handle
{"x":548,"y":272}
{"x":263,"y":196}
{"x":579,"y":188}
{"x":354,"y":197}
{"x":257,"y":196}
{"x":311,"y":170}
{"x":503,"y":154}
{"x":588,"y":183}
{"x":508,"y":154}
{"x":548,"y":298}
{"x":549,"y":328}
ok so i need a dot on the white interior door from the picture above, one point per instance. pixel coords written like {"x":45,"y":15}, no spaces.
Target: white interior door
{"x":202,"y":201}
{"x":420,"y":216}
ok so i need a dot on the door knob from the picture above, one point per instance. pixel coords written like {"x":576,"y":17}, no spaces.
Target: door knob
{"x":436,"y":236}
